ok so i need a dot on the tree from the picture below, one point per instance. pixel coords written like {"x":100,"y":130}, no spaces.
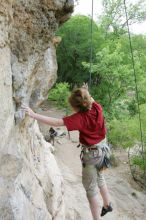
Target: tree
{"x":114,"y":18}
{"x":75,"y":48}
{"x":110,"y":75}
{"x":113,"y":80}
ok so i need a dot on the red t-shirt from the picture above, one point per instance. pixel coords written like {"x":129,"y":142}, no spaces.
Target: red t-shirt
{"x":90,"y":124}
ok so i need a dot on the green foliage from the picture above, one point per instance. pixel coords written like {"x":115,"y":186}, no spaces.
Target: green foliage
{"x":75,"y":48}
{"x":132,"y":107}
{"x":114,"y":10}
{"x":142,"y":90}
{"x":126,"y":132}
{"x":60,"y":94}
{"x":113,"y":79}
{"x":140,"y":160}
{"x":111,"y":76}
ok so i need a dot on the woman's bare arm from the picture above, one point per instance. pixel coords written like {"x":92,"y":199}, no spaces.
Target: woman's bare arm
{"x":44,"y":119}
{"x":48,"y":120}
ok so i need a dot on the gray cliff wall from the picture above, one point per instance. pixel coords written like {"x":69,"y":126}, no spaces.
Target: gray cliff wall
{"x":31,"y":186}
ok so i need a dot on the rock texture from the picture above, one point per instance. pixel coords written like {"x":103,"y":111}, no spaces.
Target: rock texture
{"x":31,"y":185}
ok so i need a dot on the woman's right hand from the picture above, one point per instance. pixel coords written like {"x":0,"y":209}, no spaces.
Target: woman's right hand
{"x":85,"y":85}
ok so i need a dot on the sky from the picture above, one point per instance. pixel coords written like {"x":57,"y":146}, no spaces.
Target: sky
{"x":85,"y":7}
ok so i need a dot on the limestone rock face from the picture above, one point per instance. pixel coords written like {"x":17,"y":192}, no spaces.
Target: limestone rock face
{"x":31,"y":186}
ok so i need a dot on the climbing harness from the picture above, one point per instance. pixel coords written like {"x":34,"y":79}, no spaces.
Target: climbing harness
{"x":97,"y":155}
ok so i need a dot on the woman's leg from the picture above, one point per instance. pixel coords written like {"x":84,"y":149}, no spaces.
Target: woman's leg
{"x":103,"y":188}
{"x":94,"y":206}
{"x":105,"y":195}
{"x":89,"y":180}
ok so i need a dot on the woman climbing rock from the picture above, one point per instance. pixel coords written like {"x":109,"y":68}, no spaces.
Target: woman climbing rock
{"x":89,"y":121}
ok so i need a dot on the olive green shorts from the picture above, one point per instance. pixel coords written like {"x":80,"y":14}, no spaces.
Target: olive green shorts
{"x":92,"y":179}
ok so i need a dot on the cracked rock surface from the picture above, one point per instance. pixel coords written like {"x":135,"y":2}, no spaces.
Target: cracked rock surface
{"x":31,"y":185}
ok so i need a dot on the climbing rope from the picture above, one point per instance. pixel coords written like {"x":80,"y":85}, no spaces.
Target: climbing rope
{"x":91,"y":46}
{"x":136,"y":91}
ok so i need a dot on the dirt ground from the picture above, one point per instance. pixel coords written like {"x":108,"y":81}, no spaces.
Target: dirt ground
{"x":128,"y":199}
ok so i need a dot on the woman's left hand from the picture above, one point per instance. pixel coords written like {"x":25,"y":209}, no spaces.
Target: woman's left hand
{"x":28,"y":111}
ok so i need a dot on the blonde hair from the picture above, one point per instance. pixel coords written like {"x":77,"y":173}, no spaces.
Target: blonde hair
{"x":80,"y":99}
